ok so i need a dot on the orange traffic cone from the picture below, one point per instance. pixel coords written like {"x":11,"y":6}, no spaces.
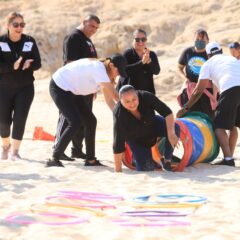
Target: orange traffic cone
{"x":39,"y":134}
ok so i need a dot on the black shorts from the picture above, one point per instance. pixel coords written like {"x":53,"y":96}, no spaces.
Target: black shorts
{"x":227,"y":114}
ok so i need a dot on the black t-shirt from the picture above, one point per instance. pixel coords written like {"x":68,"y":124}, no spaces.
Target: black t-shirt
{"x":77,"y":46}
{"x":140,"y":75}
{"x":10,"y":51}
{"x":192,"y":61}
{"x":127,"y":127}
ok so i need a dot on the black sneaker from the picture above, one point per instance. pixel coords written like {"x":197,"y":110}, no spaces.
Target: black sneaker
{"x":64,"y":157}
{"x":54,"y":163}
{"x":79,"y":155}
{"x":158,"y":166}
{"x":95,"y":163}
{"x":166,"y":165}
{"x":230,"y":163}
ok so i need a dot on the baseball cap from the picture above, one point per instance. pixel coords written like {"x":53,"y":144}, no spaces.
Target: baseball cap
{"x":234,"y":45}
{"x":212,"y":47}
{"x":120,"y":63}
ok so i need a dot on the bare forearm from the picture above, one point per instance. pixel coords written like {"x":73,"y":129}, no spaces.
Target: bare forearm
{"x":172,"y":137}
{"x":110,"y":94}
{"x":111,"y":104}
{"x":197,"y":93}
{"x":170,"y":124}
{"x":181,"y":71}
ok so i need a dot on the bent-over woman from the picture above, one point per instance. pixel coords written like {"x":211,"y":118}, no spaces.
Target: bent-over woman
{"x":80,"y":78}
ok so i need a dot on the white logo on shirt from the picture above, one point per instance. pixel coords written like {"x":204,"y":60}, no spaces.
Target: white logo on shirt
{"x":91,"y":46}
{"x":27,"y":46}
{"x":5,"y":47}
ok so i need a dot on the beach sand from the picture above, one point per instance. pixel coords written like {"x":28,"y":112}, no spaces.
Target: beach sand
{"x":25,"y":184}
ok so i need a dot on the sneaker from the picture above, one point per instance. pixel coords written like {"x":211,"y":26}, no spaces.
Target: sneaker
{"x":53,"y":163}
{"x":176,"y":159}
{"x":79,"y":155}
{"x":95,"y":163}
{"x":64,"y":157}
{"x":230,"y":163}
{"x":4,"y":152}
{"x":158,"y":166}
{"x":166,"y":165}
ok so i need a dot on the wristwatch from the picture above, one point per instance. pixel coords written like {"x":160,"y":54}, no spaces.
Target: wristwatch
{"x":185,"y":106}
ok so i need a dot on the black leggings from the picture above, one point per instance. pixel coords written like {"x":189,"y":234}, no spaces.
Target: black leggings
{"x":79,"y":135}
{"x":69,"y":107}
{"x":15,"y":102}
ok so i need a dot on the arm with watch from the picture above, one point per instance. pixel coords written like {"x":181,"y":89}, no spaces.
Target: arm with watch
{"x":197,"y":93}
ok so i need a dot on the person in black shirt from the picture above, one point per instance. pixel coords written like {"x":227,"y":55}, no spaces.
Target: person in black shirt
{"x":142,"y":64}
{"x":136,"y":123}
{"x":78,"y":45}
{"x":19,"y":58}
{"x":189,"y":65}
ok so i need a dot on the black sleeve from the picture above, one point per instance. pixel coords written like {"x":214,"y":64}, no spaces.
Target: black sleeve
{"x":35,"y":55}
{"x":133,"y":67}
{"x":154,"y":64}
{"x":157,"y":104}
{"x":5,"y":67}
{"x":72,"y":48}
{"x":118,"y":137}
{"x":182,"y":59}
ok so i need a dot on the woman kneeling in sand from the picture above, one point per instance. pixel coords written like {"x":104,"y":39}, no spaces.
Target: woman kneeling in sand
{"x":136,"y":123}
{"x":83,"y":77}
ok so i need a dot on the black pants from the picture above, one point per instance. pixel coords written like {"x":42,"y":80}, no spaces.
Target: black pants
{"x":15,"y":102}
{"x":77,"y":141}
{"x":143,"y":155}
{"x":74,"y":114}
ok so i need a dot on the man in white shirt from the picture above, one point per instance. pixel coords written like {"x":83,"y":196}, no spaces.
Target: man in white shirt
{"x":224,"y":72}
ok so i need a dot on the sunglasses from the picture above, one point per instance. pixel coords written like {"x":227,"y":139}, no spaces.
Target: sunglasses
{"x":16,"y":25}
{"x":141,"y":39}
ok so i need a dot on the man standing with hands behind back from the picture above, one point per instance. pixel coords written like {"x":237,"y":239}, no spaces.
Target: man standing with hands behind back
{"x":78,"y":45}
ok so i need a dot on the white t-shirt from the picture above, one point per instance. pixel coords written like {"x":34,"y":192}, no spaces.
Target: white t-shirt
{"x":223,"y":70}
{"x":81,"y":77}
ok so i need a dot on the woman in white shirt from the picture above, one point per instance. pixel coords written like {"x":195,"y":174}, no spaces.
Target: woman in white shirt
{"x":83,"y":77}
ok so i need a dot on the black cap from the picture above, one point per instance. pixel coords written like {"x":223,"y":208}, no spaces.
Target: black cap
{"x":234,"y":45}
{"x":120,"y":63}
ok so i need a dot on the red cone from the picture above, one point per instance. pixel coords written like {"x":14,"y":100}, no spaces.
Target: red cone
{"x":39,"y":134}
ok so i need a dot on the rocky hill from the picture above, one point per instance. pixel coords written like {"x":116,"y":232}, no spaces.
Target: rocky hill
{"x":170,"y":26}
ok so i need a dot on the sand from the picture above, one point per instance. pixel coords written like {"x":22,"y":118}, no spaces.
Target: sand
{"x":26,"y":184}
